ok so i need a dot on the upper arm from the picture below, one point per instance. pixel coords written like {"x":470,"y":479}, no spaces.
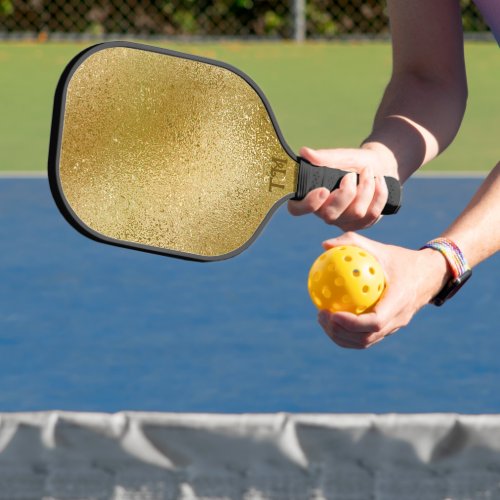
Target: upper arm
{"x":427,"y":39}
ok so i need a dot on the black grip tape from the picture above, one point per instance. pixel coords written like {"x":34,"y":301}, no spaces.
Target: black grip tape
{"x":313,"y":177}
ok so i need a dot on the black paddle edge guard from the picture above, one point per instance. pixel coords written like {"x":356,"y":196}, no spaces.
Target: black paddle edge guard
{"x":313,"y":177}
{"x":55,"y":151}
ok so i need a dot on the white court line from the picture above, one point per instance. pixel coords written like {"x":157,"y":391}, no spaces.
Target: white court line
{"x":454,"y":174}
{"x":23,"y":175}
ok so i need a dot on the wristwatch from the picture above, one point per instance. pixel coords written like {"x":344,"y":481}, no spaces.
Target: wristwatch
{"x":460,"y":270}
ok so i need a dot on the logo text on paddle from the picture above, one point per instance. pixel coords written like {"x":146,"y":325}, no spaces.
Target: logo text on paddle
{"x":278,"y":174}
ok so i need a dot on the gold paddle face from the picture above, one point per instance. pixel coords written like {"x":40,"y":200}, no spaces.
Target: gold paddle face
{"x":169,"y":154}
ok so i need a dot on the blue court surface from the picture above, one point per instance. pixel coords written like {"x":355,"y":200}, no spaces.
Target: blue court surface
{"x":90,"y":327}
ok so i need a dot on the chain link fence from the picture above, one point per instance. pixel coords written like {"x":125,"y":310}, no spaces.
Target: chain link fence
{"x":284,"y":19}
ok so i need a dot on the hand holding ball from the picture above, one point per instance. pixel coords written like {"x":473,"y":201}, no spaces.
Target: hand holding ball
{"x":346,"y":278}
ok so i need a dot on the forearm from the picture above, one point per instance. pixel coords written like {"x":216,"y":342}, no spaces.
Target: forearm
{"x":424,"y":103}
{"x":477,"y":230}
{"x":416,"y":120}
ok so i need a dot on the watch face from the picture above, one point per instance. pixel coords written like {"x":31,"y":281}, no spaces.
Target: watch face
{"x":451,"y":288}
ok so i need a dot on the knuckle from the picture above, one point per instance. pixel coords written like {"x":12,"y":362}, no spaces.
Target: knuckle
{"x":358,"y":211}
{"x":329,"y":215}
{"x":373,"y":213}
{"x":371,"y":339}
{"x":378,"y":325}
{"x":350,"y":190}
{"x":365,"y":343}
{"x":406,"y":320}
{"x":330,"y":219}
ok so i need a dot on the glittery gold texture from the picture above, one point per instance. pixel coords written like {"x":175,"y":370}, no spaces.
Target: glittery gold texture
{"x":170,"y":153}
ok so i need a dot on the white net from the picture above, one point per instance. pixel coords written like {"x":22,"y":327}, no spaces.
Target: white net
{"x":154,"y":456}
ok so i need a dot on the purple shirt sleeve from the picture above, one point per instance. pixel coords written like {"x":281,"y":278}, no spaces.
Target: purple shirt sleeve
{"x":490,"y":9}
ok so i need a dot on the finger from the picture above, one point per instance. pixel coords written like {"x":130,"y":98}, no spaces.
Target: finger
{"x":348,"y":338}
{"x":338,"y":334}
{"x":338,"y":201}
{"x":380,"y":196}
{"x":365,"y":191}
{"x":382,"y":320}
{"x":338,"y":157}
{"x":344,"y":344}
{"x":362,"y":340}
{"x":311,"y":203}
{"x":348,"y":238}
{"x":312,"y":156}
{"x":341,"y":340}
{"x":362,"y":324}
{"x":354,"y":341}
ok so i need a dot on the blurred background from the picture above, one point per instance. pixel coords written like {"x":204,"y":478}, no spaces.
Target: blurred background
{"x":283,"y":19}
{"x":338,"y":69}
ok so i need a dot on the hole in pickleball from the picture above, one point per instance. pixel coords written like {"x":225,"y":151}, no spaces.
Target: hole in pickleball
{"x":379,"y":287}
{"x":363,"y":254}
{"x":330,"y":268}
{"x":346,"y":299}
{"x":317,"y":301}
{"x":327,"y":293}
{"x":336,"y":306}
{"x":339,"y":281}
{"x":348,"y":258}
{"x":356,"y":273}
{"x":317,"y":276}
{"x":366,"y":289}
{"x":360,"y":309}
{"x":372,"y":270}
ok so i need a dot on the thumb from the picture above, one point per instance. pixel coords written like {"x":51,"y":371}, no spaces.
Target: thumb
{"x":349,"y":238}
{"x":311,"y":155}
{"x":352,"y":159}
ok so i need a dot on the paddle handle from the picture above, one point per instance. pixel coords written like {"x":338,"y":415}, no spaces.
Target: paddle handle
{"x":312,"y":177}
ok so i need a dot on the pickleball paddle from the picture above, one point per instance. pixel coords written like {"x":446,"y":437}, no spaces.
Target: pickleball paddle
{"x":172,"y":153}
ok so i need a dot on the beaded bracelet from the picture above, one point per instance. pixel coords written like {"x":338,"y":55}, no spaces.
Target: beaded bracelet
{"x":460,"y":269}
{"x":452,"y":254}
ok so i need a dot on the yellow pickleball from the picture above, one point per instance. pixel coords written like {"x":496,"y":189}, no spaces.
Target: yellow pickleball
{"x":346,"y":278}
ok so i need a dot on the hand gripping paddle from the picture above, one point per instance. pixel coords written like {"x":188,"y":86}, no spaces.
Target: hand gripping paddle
{"x":172,"y":153}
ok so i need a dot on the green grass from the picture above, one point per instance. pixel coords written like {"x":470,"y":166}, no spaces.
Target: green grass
{"x":323,"y":95}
